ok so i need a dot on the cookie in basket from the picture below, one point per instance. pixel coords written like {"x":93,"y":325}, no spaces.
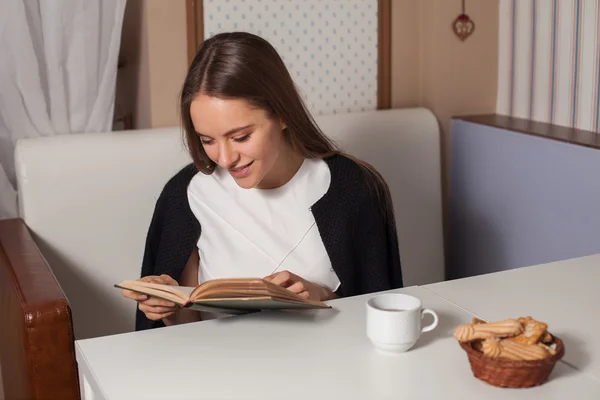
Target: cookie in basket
{"x":515,"y":353}
{"x":533,"y":331}
{"x":501,"y":329}
{"x":511,"y":350}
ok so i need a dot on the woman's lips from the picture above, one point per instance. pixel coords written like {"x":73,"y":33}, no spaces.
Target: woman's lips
{"x":241,"y":172}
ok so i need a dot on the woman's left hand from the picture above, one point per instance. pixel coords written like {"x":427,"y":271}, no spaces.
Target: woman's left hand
{"x":300,"y":286}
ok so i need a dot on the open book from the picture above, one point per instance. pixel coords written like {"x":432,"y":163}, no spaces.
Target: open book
{"x":227,"y":296}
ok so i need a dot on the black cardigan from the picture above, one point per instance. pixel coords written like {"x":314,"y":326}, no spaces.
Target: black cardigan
{"x":360,"y":240}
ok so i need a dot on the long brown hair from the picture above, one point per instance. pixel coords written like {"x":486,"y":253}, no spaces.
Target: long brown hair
{"x":245,"y":66}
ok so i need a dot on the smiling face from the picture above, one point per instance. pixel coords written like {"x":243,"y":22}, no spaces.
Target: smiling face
{"x":242,"y":139}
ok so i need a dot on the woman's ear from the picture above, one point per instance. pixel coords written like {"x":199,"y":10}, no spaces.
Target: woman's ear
{"x":283,"y":125}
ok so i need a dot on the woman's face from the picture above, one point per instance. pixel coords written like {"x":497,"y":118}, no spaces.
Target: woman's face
{"x":239,"y":138}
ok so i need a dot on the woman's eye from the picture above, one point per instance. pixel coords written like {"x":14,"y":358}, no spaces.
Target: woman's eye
{"x":206,"y":141}
{"x":242,"y":138}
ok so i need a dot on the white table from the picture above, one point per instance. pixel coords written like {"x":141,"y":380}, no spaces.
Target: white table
{"x":321,"y":354}
{"x":565,"y":295}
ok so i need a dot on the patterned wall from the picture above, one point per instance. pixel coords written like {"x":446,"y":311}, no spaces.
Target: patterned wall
{"x":548,"y":61}
{"x":329,"y":46}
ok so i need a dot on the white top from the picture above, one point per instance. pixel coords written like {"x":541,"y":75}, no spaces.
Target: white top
{"x":256,"y":232}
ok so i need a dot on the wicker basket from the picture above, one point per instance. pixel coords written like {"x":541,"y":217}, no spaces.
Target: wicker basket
{"x":512,"y":374}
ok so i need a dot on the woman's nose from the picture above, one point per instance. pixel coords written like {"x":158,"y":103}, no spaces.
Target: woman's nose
{"x":227,"y":156}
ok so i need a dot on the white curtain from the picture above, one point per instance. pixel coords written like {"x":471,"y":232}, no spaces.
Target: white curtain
{"x":58,"y":66}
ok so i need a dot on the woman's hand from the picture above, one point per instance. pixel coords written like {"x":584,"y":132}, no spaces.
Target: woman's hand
{"x":155,"y":309}
{"x":300,"y":286}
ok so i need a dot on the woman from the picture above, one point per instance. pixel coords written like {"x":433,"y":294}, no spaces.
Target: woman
{"x":267,"y":195}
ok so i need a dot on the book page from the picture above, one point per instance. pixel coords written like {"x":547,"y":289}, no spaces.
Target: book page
{"x":242,"y":287}
{"x":257,"y":303}
{"x":185,"y":289}
{"x":176,"y":294}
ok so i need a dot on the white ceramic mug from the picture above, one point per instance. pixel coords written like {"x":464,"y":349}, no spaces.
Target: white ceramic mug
{"x":394,"y":321}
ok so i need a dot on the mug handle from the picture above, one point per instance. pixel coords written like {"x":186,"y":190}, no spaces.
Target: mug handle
{"x":433,"y":324}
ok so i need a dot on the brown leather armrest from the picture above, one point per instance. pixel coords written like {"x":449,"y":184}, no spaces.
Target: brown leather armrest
{"x":37,"y":351}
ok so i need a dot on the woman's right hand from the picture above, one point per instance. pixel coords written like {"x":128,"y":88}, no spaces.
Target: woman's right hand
{"x":155,"y":309}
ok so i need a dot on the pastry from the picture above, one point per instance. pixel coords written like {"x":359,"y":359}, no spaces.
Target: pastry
{"x":477,"y":345}
{"x":533,"y":331}
{"x":512,"y":350}
{"x":547,"y":338}
{"x":506,"y":328}
{"x":547,"y":348}
{"x":519,"y":351}
{"x":522,"y":339}
{"x":491,"y":348}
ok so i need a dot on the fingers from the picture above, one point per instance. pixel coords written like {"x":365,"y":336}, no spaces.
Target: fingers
{"x":283,"y":278}
{"x":133,"y":295}
{"x":148,"y":301}
{"x":157,"y":316}
{"x":162,"y":279}
{"x":291,"y":282}
{"x":167,"y":280}
{"x":302,"y":289}
{"x":129,"y":294}
{"x":156,"y":309}
{"x":156,"y":302}
{"x":295,"y":284}
{"x":150,"y":279}
{"x":297,"y":287}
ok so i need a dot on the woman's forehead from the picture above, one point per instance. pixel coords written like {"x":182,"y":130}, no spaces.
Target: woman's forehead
{"x":216,"y":116}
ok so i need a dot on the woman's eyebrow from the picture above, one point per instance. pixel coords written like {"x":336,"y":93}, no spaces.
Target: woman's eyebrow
{"x":231,"y":131}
